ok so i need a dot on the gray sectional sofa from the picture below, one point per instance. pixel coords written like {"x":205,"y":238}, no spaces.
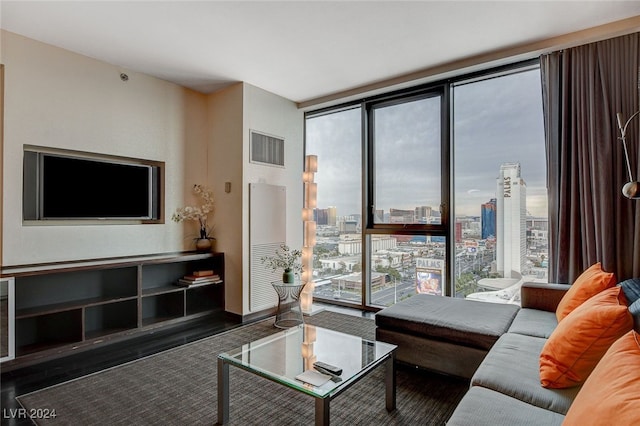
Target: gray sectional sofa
{"x":496,"y":346}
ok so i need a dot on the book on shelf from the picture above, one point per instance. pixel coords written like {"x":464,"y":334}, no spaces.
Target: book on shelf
{"x":191,"y":283}
{"x":203,"y":273}
{"x":195,"y":278}
{"x":200,"y":277}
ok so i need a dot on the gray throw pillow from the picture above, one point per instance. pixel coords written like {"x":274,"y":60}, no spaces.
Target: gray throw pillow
{"x":631,"y":289}
{"x":635,"y":311}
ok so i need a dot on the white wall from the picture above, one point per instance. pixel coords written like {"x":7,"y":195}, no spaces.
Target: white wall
{"x":55,"y":98}
{"x":274,"y":115}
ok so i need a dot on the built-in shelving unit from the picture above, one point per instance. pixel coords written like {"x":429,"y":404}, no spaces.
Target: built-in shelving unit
{"x":66,"y":306}
{"x":7,"y":313}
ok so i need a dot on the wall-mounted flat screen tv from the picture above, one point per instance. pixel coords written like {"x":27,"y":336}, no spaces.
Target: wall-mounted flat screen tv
{"x":70,"y":187}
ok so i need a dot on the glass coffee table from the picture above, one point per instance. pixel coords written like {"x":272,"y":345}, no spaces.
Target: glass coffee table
{"x":283,"y":356}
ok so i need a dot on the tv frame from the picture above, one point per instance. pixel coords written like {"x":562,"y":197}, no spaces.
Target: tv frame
{"x":32,"y":205}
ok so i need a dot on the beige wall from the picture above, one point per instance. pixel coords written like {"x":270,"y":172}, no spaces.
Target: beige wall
{"x":55,"y":98}
{"x":225,"y":165}
{"x":233,"y":113}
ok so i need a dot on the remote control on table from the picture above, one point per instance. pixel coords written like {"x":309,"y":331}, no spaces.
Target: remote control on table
{"x":324,"y":367}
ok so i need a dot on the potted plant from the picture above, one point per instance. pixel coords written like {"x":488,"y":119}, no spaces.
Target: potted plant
{"x":286,"y":259}
{"x":200,"y":214}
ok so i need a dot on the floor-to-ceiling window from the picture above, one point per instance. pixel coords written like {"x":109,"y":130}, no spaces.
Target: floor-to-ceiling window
{"x":389,"y":225}
{"x":336,"y":138}
{"x":500,"y":184}
{"x":405,"y":242}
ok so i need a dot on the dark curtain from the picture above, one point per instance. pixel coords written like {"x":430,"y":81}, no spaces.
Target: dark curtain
{"x":589,"y":218}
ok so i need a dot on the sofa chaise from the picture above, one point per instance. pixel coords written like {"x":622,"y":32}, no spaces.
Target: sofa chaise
{"x":507,"y":351}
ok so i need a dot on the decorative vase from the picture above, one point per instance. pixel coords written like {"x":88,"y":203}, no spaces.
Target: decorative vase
{"x":288,"y":277}
{"x":203,"y":244}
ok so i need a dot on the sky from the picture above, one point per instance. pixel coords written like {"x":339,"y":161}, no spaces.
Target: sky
{"x":496,"y":121}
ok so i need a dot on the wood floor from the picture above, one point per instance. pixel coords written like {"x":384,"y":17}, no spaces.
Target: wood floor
{"x":29,"y":379}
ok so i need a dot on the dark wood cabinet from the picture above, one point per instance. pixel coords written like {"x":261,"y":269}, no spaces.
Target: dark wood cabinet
{"x":68,"y":306}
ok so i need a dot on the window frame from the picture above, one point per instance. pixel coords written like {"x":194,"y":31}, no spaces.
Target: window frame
{"x":369,"y":173}
{"x":444,"y":89}
{"x":370,"y":228}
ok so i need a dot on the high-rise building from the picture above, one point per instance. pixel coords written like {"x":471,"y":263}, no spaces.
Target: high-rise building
{"x":347,"y":225}
{"x":332,"y":215}
{"x":458,"y":231}
{"x":422,"y":214}
{"x":488,"y":219}
{"x":321,"y":216}
{"x":511,"y":215}
{"x":401,"y":216}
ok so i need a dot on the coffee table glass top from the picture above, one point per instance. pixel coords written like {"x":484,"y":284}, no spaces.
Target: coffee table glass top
{"x":284,"y":355}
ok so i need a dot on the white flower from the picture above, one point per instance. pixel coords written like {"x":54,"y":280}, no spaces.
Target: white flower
{"x":198,"y":213}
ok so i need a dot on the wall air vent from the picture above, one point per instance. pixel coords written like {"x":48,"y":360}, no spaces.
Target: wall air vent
{"x":267,"y":232}
{"x":267,"y":149}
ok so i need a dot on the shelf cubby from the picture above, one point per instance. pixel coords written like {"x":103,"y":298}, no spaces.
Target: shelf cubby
{"x":162,"y":307}
{"x":54,"y":292}
{"x":203,"y":298}
{"x":48,"y":331}
{"x":102,"y":320}
{"x":165,"y":275}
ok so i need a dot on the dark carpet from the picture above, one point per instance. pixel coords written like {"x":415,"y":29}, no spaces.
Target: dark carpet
{"x":178,"y":387}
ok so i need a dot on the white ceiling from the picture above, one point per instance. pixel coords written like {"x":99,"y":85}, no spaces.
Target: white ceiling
{"x":297,"y":49}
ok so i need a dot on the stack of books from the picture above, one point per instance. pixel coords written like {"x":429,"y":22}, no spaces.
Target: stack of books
{"x":199,"y":278}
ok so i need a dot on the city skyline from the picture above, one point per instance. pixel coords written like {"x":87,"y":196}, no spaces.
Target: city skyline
{"x":435,"y":213}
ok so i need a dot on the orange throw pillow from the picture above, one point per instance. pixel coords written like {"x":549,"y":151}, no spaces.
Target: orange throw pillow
{"x":589,"y":283}
{"x":578,"y":343}
{"x":611,"y":394}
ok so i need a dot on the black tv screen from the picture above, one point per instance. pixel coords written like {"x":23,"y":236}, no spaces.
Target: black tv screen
{"x":80,"y":188}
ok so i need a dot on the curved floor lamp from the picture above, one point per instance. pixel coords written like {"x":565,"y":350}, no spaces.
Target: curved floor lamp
{"x":630,"y":189}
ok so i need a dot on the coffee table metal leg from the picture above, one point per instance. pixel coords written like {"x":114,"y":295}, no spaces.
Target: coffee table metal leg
{"x":322,"y":411}
{"x":390,"y":382}
{"x":223,"y":392}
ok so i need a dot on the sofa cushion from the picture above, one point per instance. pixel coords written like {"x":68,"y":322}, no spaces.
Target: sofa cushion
{"x":436,"y":355}
{"x":482,"y":406}
{"x":631,"y":288}
{"x":512,"y":368}
{"x":611,"y":394}
{"x":465,"y":322}
{"x":533,"y":322}
{"x":589,"y":283}
{"x":582,"y":338}
{"x":542,"y":296}
{"x":634,"y":310}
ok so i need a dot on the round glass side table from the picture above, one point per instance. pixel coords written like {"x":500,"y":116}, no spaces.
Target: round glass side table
{"x":289,"y":313}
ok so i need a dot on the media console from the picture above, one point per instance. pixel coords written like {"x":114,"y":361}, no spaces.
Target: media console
{"x":68,"y":306}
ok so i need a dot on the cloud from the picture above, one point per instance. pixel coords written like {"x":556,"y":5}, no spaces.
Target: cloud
{"x":494,"y":121}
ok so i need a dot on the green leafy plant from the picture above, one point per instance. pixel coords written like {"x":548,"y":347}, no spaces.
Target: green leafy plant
{"x":284,"y":258}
